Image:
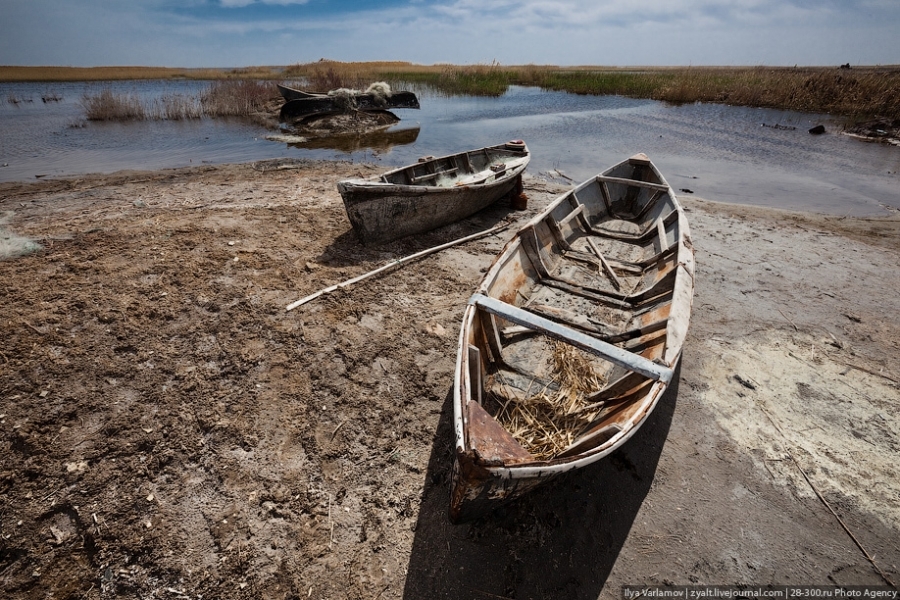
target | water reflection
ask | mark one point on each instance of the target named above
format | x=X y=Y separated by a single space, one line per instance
x=378 y=141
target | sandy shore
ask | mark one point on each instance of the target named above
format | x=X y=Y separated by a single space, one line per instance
x=169 y=431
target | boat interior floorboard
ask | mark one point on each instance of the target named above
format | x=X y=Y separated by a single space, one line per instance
x=600 y=315
x=626 y=252
x=632 y=231
x=512 y=383
x=527 y=369
x=597 y=319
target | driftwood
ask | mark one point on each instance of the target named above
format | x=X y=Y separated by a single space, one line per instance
x=394 y=264
x=818 y=493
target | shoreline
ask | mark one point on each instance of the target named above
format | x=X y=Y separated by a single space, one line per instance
x=167 y=425
x=878 y=230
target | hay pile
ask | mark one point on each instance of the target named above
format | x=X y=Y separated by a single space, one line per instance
x=548 y=422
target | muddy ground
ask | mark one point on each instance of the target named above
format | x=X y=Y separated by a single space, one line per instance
x=168 y=430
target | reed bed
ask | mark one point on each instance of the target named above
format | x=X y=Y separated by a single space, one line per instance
x=859 y=92
x=17 y=100
x=236 y=98
x=548 y=422
x=176 y=107
x=10 y=73
x=480 y=80
x=109 y=106
x=846 y=92
x=326 y=75
x=241 y=98
x=451 y=80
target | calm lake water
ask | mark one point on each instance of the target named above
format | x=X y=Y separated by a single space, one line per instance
x=718 y=152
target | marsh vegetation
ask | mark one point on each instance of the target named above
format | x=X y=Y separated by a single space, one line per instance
x=223 y=98
x=857 y=93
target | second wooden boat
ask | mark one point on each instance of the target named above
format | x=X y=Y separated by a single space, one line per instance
x=572 y=336
x=303 y=105
x=432 y=192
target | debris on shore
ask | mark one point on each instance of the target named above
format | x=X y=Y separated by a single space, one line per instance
x=879 y=129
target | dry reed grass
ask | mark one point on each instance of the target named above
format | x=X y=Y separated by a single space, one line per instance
x=326 y=75
x=12 y=73
x=548 y=422
x=176 y=107
x=225 y=98
x=236 y=98
x=859 y=93
x=847 y=92
x=108 y=106
x=17 y=100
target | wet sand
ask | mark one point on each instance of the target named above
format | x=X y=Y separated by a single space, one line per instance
x=168 y=430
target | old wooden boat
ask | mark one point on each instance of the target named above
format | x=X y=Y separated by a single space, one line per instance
x=572 y=336
x=313 y=104
x=432 y=192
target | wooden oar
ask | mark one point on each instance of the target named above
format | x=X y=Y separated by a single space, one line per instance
x=394 y=264
x=612 y=274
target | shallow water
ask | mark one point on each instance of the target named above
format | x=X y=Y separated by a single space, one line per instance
x=718 y=152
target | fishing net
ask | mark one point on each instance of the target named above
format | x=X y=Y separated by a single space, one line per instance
x=381 y=91
x=345 y=98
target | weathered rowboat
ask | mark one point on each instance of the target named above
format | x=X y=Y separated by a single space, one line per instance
x=572 y=336
x=432 y=192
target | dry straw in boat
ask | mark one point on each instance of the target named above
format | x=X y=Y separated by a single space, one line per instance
x=546 y=423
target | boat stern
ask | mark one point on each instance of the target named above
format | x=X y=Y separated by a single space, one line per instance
x=476 y=490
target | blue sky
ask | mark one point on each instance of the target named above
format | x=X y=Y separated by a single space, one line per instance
x=236 y=33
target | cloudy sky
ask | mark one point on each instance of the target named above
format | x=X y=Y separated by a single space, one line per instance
x=234 y=33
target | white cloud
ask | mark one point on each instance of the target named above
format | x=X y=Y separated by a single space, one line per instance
x=242 y=3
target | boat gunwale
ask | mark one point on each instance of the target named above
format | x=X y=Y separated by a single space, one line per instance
x=376 y=180
x=400 y=188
